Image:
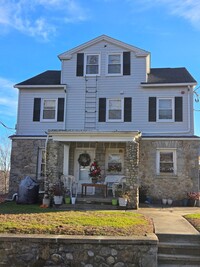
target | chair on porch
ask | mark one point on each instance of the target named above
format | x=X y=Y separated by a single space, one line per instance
x=113 y=181
x=70 y=183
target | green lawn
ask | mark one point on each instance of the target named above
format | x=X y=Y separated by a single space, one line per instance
x=32 y=219
x=194 y=219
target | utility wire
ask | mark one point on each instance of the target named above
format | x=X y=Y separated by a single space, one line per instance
x=6 y=126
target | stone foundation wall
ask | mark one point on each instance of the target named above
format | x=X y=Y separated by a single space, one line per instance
x=24 y=160
x=169 y=186
x=65 y=251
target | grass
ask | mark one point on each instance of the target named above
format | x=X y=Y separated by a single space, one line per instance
x=194 y=219
x=31 y=219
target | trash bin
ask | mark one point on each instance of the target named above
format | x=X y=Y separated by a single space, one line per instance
x=28 y=191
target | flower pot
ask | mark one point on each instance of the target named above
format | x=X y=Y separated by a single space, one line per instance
x=164 y=201
x=114 y=202
x=169 y=201
x=73 y=200
x=58 y=200
x=46 y=202
x=67 y=200
x=122 y=201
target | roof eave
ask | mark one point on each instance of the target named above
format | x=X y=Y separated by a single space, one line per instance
x=149 y=85
x=52 y=86
x=139 y=52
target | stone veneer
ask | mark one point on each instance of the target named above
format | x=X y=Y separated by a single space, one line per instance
x=169 y=186
x=76 y=251
x=24 y=160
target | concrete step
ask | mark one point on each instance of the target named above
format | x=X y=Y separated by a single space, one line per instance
x=176 y=250
x=191 y=249
x=178 y=260
x=179 y=238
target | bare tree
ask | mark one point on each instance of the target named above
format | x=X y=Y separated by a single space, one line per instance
x=5 y=151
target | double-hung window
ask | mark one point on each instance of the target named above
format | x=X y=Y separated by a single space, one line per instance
x=115 y=64
x=49 y=109
x=165 y=111
x=115 y=110
x=92 y=66
x=166 y=161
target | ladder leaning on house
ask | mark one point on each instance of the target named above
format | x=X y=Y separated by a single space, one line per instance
x=90 y=102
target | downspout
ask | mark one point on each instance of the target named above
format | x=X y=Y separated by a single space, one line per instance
x=45 y=165
x=65 y=109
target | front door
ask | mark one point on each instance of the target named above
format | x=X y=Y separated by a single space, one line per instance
x=82 y=172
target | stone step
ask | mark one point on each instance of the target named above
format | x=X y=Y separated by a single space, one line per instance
x=179 y=238
x=192 y=249
x=178 y=260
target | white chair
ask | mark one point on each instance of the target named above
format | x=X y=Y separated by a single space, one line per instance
x=70 y=183
x=113 y=181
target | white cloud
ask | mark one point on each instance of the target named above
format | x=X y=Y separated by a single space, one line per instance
x=8 y=98
x=39 y=18
x=187 y=9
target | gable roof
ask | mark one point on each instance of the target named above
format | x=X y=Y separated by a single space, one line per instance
x=138 y=51
x=169 y=75
x=49 y=77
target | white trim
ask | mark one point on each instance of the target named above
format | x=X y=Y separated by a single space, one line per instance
x=138 y=52
x=85 y=64
x=158 y=109
x=42 y=110
x=158 y=151
x=167 y=84
x=40 y=86
x=76 y=136
x=66 y=160
x=121 y=64
x=170 y=138
x=107 y=110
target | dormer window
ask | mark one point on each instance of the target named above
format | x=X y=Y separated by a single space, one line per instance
x=92 y=64
x=115 y=64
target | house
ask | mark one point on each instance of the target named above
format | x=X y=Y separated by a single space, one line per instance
x=108 y=104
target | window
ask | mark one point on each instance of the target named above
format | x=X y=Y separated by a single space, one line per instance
x=115 y=110
x=49 y=111
x=166 y=161
x=41 y=163
x=115 y=160
x=115 y=64
x=92 y=65
x=165 y=109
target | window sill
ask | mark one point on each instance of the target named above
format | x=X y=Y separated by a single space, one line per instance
x=166 y=176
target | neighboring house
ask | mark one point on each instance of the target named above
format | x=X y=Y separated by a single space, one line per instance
x=109 y=104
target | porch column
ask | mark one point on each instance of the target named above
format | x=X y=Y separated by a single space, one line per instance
x=66 y=160
x=132 y=156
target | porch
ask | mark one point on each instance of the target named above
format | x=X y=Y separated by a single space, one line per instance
x=76 y=153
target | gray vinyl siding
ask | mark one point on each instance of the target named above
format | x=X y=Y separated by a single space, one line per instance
x=120 y=87
x=25 y=123
x=107 y=87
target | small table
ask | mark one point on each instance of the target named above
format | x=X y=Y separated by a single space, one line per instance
x=102 y=186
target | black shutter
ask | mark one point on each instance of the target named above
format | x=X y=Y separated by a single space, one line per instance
x=80 y=64
x=102 y=109
x=126 y=63
x=36 y=109
x=60 y=115
x=178 y=109
x=152 y=108
x=127 y=109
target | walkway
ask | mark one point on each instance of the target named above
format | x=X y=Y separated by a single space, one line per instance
x=169 y=220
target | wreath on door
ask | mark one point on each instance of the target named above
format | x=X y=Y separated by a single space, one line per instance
x=84 y=159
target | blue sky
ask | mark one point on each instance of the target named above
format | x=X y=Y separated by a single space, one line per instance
x=34 y=32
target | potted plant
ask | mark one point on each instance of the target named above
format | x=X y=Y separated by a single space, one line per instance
x=95 y=171
x=46 y=200
x=58 y=193
x=123 y=195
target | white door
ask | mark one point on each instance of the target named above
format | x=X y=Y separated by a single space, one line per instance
x=82 y=173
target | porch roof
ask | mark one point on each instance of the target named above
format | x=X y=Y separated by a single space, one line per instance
x=86 y=136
